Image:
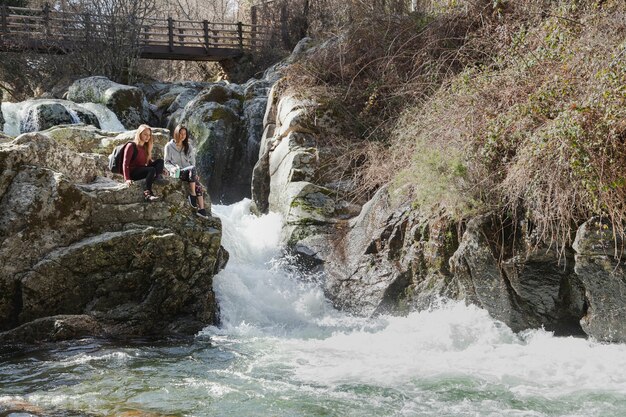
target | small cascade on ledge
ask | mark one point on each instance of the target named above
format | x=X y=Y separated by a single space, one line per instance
x=25 y=117
x=108 y=120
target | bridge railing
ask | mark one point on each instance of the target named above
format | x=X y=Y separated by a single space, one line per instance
x=52 y=26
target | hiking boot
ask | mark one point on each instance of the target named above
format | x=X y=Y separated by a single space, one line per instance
x=202 y=213
x=193 y=200
x=149 y=196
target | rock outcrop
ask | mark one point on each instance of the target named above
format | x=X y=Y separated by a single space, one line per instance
x=81 y=138
x=84 y=255
x=225 y=122
x=599 y=262
x=392 y=258
x=41 y=114
x=127 y=102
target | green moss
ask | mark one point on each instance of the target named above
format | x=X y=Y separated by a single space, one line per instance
x=223 y=113
x=301 y=232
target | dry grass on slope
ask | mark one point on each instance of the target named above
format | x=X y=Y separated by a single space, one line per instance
x=538 y=133
x=365 y=76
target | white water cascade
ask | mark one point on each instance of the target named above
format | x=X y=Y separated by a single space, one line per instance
x=282 y=350
x=423 y=358
x=108 y=120
x=14 y=113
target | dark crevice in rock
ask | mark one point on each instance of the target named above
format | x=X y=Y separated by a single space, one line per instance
x=393 y=294
x=18 y=304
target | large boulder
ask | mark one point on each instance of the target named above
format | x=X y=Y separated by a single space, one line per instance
x=127 y=102
x=166 y=99
x=288 y=177
x=41 y=114
x=94 y=258
x=217 y=131
x=392 y=259
x=600 y=267
x=225 y=122
x=226 y=130
x=389 y=258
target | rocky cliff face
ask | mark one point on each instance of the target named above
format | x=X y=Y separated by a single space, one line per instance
x=391 y=258
x=225 y=122
x=83 y=255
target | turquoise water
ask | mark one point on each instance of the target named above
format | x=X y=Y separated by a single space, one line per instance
x=282 y=350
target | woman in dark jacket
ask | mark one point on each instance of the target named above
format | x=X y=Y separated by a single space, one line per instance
x=142 y=166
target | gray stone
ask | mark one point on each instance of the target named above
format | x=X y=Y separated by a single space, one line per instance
x=217 y=133
x=128 y=103
x=261 y=173
x=42 y=114
x=94 y=250
x=603 y=276
x=89 y=139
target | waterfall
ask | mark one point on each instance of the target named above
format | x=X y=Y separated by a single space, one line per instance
x=256 y=293
x=12 y=113
x=108 y=120
x=15 y=115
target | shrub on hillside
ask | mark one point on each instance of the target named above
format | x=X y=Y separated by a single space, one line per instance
x=540 y=128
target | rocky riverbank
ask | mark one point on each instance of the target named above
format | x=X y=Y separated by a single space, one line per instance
x=84 y=255
x=394 y=258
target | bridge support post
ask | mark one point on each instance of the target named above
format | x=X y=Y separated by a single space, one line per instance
x=4 y=13
x=254 y=19
x=284 y=29
x=205 y=27
x=170 y=33
x=87 y=28
x=46 y=18
x=240 y=34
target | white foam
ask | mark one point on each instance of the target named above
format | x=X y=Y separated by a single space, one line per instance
x=108 y=120
x=115 y=357
x=285 y=322
x=255 y=295
x=12 y=113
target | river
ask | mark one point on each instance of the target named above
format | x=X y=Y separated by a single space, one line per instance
x=283 y=350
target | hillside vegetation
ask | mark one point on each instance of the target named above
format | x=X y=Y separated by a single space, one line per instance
x=513 y=107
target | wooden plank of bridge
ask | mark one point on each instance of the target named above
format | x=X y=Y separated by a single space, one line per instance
x=254 y=19
x=46 y=19
x=240 y=34
x=203 y=41
x=88 y=28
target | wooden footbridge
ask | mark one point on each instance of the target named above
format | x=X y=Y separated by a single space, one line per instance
x=47 y=30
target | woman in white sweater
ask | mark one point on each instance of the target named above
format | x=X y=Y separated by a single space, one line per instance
x=180 y=161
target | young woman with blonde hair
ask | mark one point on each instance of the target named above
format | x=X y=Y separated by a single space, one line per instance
x=141 y=165
x=179 y=155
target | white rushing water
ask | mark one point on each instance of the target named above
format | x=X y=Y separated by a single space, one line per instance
x=451 y=342
x=282 y=350
x=107 y=119
x=12 y=113
x=15 y=113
